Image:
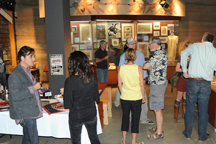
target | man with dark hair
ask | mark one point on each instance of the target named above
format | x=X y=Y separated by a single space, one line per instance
x=200 y=75
x=101 y=59
x=157 y=66
x=25 y=105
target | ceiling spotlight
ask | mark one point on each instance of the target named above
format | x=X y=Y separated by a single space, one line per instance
x=164 y=4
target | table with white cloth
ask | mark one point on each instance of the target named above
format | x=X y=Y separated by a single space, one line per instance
x=54 y=125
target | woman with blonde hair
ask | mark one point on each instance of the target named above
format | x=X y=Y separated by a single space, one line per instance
x=181 y=88
x=131 y=86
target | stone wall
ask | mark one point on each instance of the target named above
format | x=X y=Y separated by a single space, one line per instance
x=200 y=18
x=30 y=31
x=5 y=36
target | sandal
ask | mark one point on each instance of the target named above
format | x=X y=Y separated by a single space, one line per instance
x=141 y=142
x=152 y=129
x=155 y=136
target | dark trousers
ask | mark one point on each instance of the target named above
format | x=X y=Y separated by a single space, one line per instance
x=197 y=91
x=76 y=127
x=30 y=133
x=135 y=108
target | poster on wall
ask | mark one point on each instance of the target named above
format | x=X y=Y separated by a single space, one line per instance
x=56 y=64
x=113 y=29
x=101 y=31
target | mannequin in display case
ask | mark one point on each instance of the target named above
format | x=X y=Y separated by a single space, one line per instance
x=172 y=46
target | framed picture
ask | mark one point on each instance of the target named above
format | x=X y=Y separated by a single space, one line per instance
x=163 y=46
x=156 y=33
x=96 y=45
x=76 y=40
x=88 y=53
x=74 y=29
x=71 y=37
x=101 y=31
x=127 y=31
x=164 y=31
x=163 y=39
x=143 y=47
x=115 y=42
x=146 y=38
x=156 y=25
x=88 y=45
x=113 y=29
x=82 y=46
x=85 y=32
x=144 y=28
x=75 y=47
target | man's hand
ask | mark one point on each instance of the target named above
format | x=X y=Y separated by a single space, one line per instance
x=185 y=74
x=62 y=91
x=37 y=85
x=107 y=57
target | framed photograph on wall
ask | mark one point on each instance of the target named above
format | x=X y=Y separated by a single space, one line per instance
x=74 y=29
x=156 y=25
x=163 y=39
x=163 y=46
x=88 y=45
x=88 y=53
x=101 y=31
x=127 y=31
x=82 y=46
x=144 y=28
x=143 y=47
x=164 y=31
x=156 y=33
x=76 y=40
x=96 y=45
x=75 y=47
x=85 y=33
x=115 y=42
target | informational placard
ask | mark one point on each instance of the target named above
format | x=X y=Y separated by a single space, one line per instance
x=56 y=64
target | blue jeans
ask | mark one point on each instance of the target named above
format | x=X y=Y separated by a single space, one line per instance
x=76 y=127
x=30 y=133
x=197 y=91
x=102 y=75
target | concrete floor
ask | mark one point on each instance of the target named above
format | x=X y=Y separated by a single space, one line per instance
x=112 y=133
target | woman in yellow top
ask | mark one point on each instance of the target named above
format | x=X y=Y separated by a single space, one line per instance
x=131 y=86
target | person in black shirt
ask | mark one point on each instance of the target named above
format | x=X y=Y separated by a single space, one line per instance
x=80 y=94
x=101 y=59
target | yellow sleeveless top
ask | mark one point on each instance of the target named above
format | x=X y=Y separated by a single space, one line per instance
x=130 y=82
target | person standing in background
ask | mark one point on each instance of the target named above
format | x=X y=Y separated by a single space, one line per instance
x=25 y=104
x=117 y=97
x=101 y=59
x=199 y=74
x=131 y=86
x=140 y=60
x=181 y=88
x=157 y=66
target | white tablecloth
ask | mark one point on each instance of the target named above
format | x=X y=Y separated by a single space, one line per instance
x=54 y=125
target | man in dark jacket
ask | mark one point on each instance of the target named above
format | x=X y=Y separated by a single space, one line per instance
x=25 y=105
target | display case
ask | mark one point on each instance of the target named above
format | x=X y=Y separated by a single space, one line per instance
x=86 y=36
